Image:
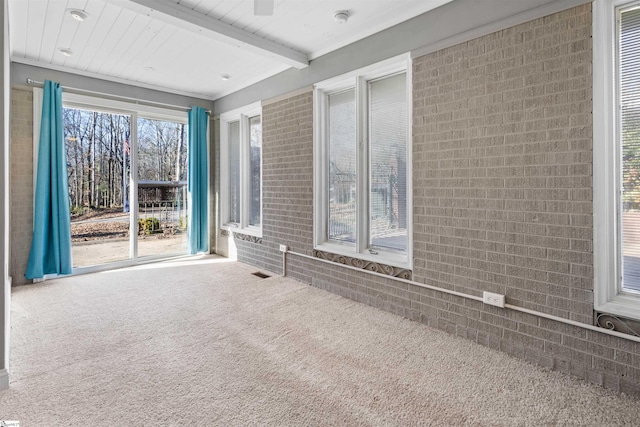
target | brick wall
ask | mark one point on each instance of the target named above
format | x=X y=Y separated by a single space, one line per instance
x=502 y=150
x=502 y=167
x=21 y=182
x=288 y=177
x=287 y=183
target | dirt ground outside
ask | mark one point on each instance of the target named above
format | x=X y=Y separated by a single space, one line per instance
x=99 y=237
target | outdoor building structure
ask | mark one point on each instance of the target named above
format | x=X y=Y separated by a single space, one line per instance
x=507 y=180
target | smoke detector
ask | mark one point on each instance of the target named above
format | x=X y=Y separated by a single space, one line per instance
x=78 y=15
x=341 y=16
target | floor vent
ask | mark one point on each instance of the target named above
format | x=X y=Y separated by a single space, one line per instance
x=260 y=275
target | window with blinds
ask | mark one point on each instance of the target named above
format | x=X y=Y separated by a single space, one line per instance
x=234 y=172
x=362 y=172
x=629 y=122
x=241 y=170
x=255 y=171
x=616 y=157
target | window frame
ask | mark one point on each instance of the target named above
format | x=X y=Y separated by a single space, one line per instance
x=359 y=80
x=607 y=239
x=242 y=115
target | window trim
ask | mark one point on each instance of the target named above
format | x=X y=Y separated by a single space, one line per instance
x=242 y=114
x=358 y=79
x=608 y=295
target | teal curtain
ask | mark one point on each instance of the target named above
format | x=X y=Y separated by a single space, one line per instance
x=51 y=244
x=197 y=183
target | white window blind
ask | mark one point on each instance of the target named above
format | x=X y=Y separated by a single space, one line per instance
x=342 y=166
x=388 y=163
x=255 y=172
x=629 y=122
x=234 y=172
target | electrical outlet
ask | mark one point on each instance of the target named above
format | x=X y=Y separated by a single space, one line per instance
x=283 y=248
x=493 y=299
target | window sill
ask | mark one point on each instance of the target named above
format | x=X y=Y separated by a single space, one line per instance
x=249 y=231
x=382 y=257
x=625 y=305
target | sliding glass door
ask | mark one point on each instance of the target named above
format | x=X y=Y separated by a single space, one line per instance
x=118 y=217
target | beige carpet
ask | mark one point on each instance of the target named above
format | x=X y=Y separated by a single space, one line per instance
x=204 y=342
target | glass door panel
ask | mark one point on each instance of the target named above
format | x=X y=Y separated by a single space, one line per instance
x=162 y=187
x=98 y=165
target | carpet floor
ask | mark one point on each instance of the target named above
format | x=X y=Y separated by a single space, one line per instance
x=205 y=342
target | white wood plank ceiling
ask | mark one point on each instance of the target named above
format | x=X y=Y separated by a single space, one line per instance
x=186 y=46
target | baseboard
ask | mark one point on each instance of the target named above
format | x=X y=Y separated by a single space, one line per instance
x=4 y=379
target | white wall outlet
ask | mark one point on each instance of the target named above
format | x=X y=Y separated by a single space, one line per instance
x=493 y=299
x=283 y=248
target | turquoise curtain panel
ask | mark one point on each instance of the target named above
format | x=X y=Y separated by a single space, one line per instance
x=198 y=185
x=51 y=244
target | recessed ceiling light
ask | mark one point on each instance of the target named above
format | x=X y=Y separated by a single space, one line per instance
x=341 y=16
x=78 y=15
x=225 y=77
x=66 y=51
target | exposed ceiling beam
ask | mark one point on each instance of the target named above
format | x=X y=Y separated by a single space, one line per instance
x=188 y=19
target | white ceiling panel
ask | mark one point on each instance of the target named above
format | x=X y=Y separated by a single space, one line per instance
x=125 y=50
x=107 y=51
x=18 y=14
x=53 y=25
x=83 y=34
x=185 y=46
x=34 y=23
x=150 y=46
x=90 y=48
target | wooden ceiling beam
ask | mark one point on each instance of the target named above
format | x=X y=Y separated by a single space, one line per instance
x=190 y=20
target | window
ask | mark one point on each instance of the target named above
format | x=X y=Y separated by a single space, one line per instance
x=362 y=164
x=241 y=169
x=616 y=153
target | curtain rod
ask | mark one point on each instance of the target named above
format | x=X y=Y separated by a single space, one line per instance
x=116 y=97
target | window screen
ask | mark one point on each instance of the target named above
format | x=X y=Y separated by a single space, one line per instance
x=342 y=166
x=388 y=163
x=234 y=172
